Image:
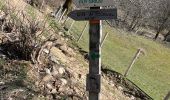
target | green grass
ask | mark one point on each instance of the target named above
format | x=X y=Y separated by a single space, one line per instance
x=151 y=72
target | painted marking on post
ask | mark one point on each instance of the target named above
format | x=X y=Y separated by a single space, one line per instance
x=94 y=55
x=92 y=3
x=94 y=21
x=93 y=14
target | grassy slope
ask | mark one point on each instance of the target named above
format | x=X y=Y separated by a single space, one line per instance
x=151 y=72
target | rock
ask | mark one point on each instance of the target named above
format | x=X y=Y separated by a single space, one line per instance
x=132 y=97
x=66 y=39
x=54 y=91
x=48 y=78
x=49 y=86
x=54 y=59
x=161 y=37
x=54 y=71
x=71 y=52
x=36 y=83
x=72 y=59
x=2 y=16
x=43 y=38
x=63 y=48
x=63 y=81
x=59 y=55
x=47 y=71
x=49 y=44
x=67 y=50
x=62 y=89
x=62 y=39
x=60 y=33
x=2 y=83
x=70 y=92
x=46 y=51
x=120 y=88
x=59 y=42
x=112 y=84
x=61 y=70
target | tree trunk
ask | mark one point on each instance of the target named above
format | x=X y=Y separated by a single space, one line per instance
x=132 y=23
x=67 y=5
x=135 y=24
x=156 y=36
x=165 y=37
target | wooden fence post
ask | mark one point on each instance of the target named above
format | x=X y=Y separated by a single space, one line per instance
x=139 y=51
x=42 y=4
x=62 y=16
x=108 y=23
x=167 y=96
x=59 y=11
x=65 y=20
x=105 y=36
x=71 y=26
x=82 y=32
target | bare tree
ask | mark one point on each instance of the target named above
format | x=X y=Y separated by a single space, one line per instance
x=160 y=16
x=24 y=40
x=132 y=13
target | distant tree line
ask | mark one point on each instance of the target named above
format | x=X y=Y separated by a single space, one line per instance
x=133 y=14
x=154 y=14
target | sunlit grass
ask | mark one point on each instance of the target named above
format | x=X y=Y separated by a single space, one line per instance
x=151 y=72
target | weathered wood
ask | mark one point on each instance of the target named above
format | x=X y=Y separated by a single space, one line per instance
x=105 y=36
x=57 y=13
x=139 y=51
x=71 y=26
x=109 y=23
x=65 y=20
x=167 y=96
x=97 y=14
x=62 y=16
x=82 y=32
x=92 y=3
x=42 y=4
x=94 y=76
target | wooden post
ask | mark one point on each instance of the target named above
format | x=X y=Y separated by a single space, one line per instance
x=82 y=32
x=42 y=4
x=167 y=96
x=57 y=13
x=105 y=36
x=93 y=83
x=62 y=15
x=108 y=23
x=65 y=20
x=133 y=61
x=71 y=26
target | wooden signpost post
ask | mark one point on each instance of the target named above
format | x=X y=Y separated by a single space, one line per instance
x=95 y=14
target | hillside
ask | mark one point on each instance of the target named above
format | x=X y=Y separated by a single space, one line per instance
x=40 y=59
x=150 y=72
x=57 y=71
